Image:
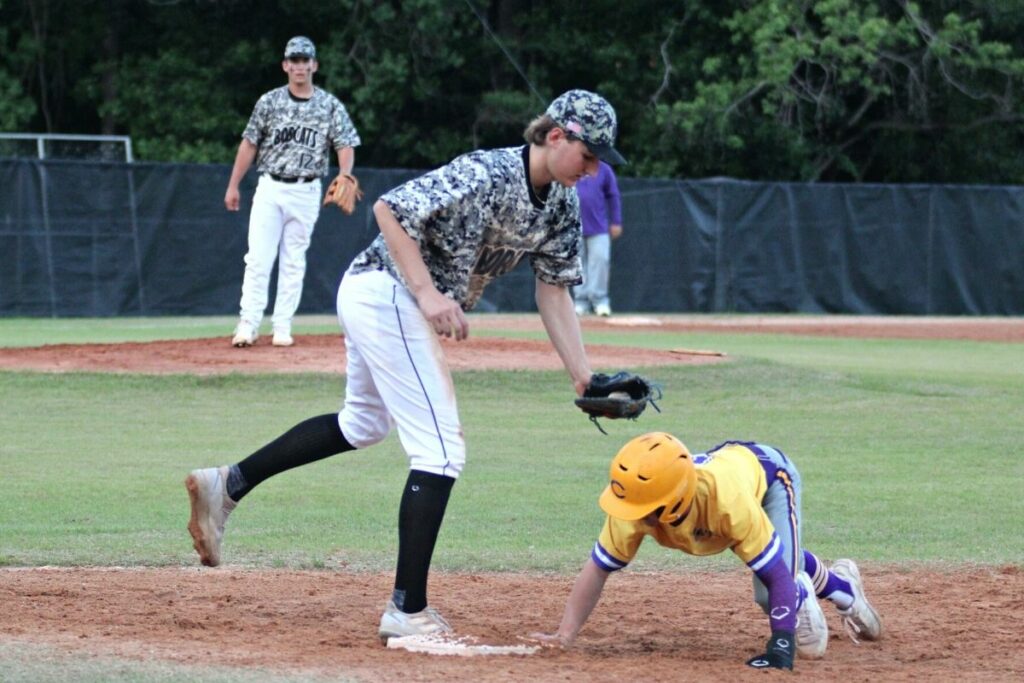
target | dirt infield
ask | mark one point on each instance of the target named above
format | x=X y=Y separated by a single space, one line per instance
x=326 y=352
x=957 y=624
x=648 y=627
x=311 y=353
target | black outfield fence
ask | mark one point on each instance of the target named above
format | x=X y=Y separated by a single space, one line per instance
x=107 y=239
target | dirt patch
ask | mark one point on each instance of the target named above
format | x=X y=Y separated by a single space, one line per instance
x=326 y=352
x=311 y=353
x=649 y=627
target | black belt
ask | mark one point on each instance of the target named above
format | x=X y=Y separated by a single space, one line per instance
x=283 y=179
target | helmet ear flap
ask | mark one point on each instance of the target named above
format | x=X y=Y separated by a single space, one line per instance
x=671 y=514
x=674 y=512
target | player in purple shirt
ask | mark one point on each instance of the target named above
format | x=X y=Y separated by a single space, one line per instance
x=601 y=212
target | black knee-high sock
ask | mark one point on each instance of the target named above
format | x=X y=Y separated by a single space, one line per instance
x=306 y=442
x=419 y=520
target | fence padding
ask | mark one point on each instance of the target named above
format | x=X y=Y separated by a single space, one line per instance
x=106 y=239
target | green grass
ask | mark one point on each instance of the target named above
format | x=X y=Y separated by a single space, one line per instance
x=39 y=331
x=909 y=452
x=29 y=662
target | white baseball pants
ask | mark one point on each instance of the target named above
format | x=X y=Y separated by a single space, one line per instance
x=280 y=227
x=397 y=375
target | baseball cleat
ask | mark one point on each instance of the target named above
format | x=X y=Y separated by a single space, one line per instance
x=395 y=623
x=811 y=627
x=602 y=310
x=245 y=335
x=283 y=339
x=860 y=620
x=208 y=496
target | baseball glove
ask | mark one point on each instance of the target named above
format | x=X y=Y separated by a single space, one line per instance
x=622 y=395
x=344 y=191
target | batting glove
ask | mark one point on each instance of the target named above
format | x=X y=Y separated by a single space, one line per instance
x=781 y=648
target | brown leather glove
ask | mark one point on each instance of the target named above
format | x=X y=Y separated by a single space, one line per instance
x=344 y=191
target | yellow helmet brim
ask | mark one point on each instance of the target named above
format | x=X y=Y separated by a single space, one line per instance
x=616 y=507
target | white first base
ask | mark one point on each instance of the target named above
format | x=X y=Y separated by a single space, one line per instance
x=461 y=646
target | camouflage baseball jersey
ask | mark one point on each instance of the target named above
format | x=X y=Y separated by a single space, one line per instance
x=476 y=218
x=726 y=514
x=294 y=136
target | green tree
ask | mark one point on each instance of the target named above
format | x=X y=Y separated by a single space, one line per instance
x=407 y=72
x=862 y=90
x=16 y=107
x=820 y=90
x=641 y=55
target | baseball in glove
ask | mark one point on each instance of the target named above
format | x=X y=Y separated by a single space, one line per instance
x=622 y=395
x=344 y=191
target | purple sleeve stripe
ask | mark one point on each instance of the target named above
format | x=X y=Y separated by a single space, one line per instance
x=768 y=555
x=603 y=559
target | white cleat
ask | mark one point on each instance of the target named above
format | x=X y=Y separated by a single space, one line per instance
x=245 y=335
x=603 y=310
x=860 y=620
x=395 y=623
x=208 y=496
x=811 y=627
x=282 y=338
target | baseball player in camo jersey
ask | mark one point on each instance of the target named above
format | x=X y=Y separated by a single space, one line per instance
x=289 y=135
x=444 y=237
x=742 y=496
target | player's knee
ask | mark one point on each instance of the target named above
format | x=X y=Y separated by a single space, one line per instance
x=445 y=455
x=456 y=461
x=363 y=439
x=364 y=430
x=446 y=464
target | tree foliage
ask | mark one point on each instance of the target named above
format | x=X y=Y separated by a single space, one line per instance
x=828 y=87
x=850 y=90
x=16 y=108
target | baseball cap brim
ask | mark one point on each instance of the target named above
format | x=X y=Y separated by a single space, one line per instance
x=606 y=153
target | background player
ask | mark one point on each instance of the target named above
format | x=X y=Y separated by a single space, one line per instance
x=739 y=495
x=601 y=214
x=444 y=236
x=289 y=134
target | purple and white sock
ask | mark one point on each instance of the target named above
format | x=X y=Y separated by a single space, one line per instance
x=826 y=584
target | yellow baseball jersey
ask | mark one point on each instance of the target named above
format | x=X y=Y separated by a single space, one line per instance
x=726 y=514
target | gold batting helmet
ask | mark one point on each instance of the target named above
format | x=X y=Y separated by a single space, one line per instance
x=652 y=472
